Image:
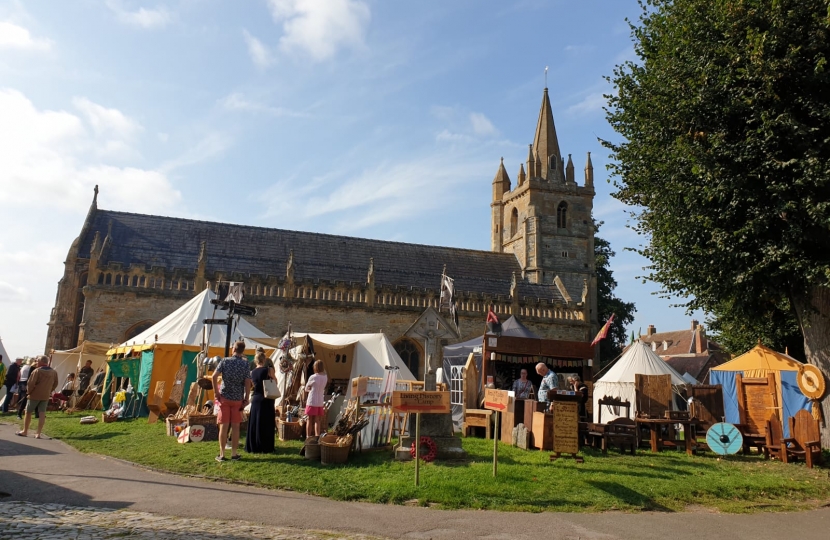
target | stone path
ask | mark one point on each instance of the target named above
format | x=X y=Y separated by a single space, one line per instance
x=31 y=521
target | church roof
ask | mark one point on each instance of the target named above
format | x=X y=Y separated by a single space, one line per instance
x=173 y=243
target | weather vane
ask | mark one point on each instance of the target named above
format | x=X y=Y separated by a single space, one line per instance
x=546 y=76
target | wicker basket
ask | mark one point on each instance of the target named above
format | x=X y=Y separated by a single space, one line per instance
x=312 y=449
x=108 y=418
x=201 y=420
x=289 y=431
x=330 y=453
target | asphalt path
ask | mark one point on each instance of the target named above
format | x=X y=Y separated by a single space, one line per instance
x=48 y=471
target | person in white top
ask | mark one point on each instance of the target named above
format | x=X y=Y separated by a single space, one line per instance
x=314 y=405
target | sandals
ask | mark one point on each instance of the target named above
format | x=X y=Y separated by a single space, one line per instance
x=220 y=459
x=20 y=434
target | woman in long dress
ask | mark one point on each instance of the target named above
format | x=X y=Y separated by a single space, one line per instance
x=262 y=423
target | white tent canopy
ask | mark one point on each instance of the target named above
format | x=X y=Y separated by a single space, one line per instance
x=185 y=325
x=72 y=360
x=6 y=360
x=372 y=353
x=618 y=382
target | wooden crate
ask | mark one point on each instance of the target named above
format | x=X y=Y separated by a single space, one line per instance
x=543 y=431
x=289 y=431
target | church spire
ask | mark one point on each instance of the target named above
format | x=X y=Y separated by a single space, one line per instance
x=589 y=172
x=501 y=182
x=545 y=143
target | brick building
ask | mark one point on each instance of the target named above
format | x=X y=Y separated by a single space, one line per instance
x=126 y=271
x=687 y=351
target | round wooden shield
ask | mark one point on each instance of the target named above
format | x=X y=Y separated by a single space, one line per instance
x=811 y=381
x=197 y=433
x=184 y=436
x=724 y=439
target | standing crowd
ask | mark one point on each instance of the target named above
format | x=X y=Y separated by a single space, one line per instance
x=33 y=383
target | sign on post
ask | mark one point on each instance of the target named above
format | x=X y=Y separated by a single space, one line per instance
x=359 y=386
x=420 y=402
x=565 y=427
x=496 y=400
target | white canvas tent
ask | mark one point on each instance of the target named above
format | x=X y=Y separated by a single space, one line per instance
x=618 y=381
x=371 y=354
x=72 y=360
x=6 y=360
x=185 y=326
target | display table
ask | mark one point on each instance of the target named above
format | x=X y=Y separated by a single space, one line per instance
x=477 y=418
x=658 y=441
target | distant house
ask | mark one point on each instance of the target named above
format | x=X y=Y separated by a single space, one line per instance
x=687 y=351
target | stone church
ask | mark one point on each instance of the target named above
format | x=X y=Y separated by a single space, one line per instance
x=126 y=271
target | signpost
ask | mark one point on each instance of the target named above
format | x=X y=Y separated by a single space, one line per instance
x=420 y=402
x=565 y=427
x=228 y=302
x=496 y=401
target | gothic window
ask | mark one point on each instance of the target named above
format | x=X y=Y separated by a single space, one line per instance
x=514 y=222
x=552 y=160
x=562 y=216
x=137 y=328
x=410 y=355
x=80 y=300
x=456 y=385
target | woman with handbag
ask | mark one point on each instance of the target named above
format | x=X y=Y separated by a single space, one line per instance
x=262 y=425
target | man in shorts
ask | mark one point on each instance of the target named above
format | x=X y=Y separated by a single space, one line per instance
x=231 y=397
x=42 y=382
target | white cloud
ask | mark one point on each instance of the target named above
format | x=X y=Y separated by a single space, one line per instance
x=13 y=36
x=10 y=293
x=482 y=125
x=50 y=159
x=208 y=147
x=149 y=19
x=319 y=28
x=592 y=103
x=259 y=53
x=238 y=102
x=105 y=121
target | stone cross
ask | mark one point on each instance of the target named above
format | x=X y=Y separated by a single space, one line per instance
x=431 y=331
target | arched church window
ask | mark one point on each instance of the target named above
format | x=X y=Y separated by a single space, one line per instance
x=562 y=216
x=80 y=301
x=514 y=222
x=137 y=328
x=410 y=355
x=552 y=162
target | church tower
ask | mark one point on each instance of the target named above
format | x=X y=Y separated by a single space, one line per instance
x=545 y=221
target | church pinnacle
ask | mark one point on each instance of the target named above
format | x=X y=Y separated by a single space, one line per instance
x=546 y=144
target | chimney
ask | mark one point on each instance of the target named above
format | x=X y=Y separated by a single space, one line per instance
x=651 y=330
x=694 y=324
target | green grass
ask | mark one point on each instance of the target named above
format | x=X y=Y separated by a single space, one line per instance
x=527 y=481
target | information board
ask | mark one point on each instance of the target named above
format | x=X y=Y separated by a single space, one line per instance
x=421 y=402
x=496 y=400
x=565 y=427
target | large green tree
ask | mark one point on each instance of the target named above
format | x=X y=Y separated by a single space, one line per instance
x=608 y=303
x=725 y=156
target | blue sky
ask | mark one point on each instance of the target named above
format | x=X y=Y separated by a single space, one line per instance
x=358 y=117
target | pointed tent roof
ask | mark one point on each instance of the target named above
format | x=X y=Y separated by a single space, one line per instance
x=640 y=359
x=511 y=327
x=184 y=326
x=545 y=143
x=6 y=359
x=760 y=357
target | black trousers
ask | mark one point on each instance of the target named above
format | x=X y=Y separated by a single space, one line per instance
x=8 y=399
x=22 y=398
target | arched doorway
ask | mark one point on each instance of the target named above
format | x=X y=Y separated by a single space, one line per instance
x=411 y=356
x=137 y=328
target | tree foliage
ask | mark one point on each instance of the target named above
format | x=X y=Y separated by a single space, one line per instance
x=725 y=156
x=607 y=303
x=737 y=333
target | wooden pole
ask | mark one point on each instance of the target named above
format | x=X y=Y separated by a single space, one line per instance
x=496 y=436
x=417 y=449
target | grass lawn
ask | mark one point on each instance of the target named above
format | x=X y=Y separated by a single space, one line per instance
x=527 y=481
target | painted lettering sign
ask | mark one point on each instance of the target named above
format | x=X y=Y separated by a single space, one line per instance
x=496 y=400
x=421 y=402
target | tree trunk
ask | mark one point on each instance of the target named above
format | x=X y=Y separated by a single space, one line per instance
x=813 y=310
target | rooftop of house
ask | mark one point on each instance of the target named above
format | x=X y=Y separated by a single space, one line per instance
x=175 y=243
x=677 y=342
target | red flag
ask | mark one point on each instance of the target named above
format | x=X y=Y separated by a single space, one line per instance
x=603 y=333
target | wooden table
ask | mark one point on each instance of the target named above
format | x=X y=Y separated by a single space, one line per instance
x=477 y=418
x=655 y=426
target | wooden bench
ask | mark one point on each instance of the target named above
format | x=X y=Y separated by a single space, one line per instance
x=477 y=418
x=621 y=432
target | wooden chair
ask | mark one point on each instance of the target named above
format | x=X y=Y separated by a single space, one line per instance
x=774 y=436
x=622 y=433
x=805 y=439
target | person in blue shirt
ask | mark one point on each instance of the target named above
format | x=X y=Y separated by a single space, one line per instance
x=549 y=382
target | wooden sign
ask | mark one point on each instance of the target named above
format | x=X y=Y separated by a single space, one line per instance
x=565 y=427
x=359 y=386
x=496 y=400
x=421 y=402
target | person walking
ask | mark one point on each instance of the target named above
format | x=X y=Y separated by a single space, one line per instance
x=232 y=397
x=12 y=376
x=262 y=424
x=22 y=393
x=315 y=404
x=42 y=382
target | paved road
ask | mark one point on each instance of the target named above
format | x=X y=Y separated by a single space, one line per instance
x=44 y=471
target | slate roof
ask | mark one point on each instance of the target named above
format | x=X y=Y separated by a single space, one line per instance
x=175 y=243
x=693 y=364
x=678 y=341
